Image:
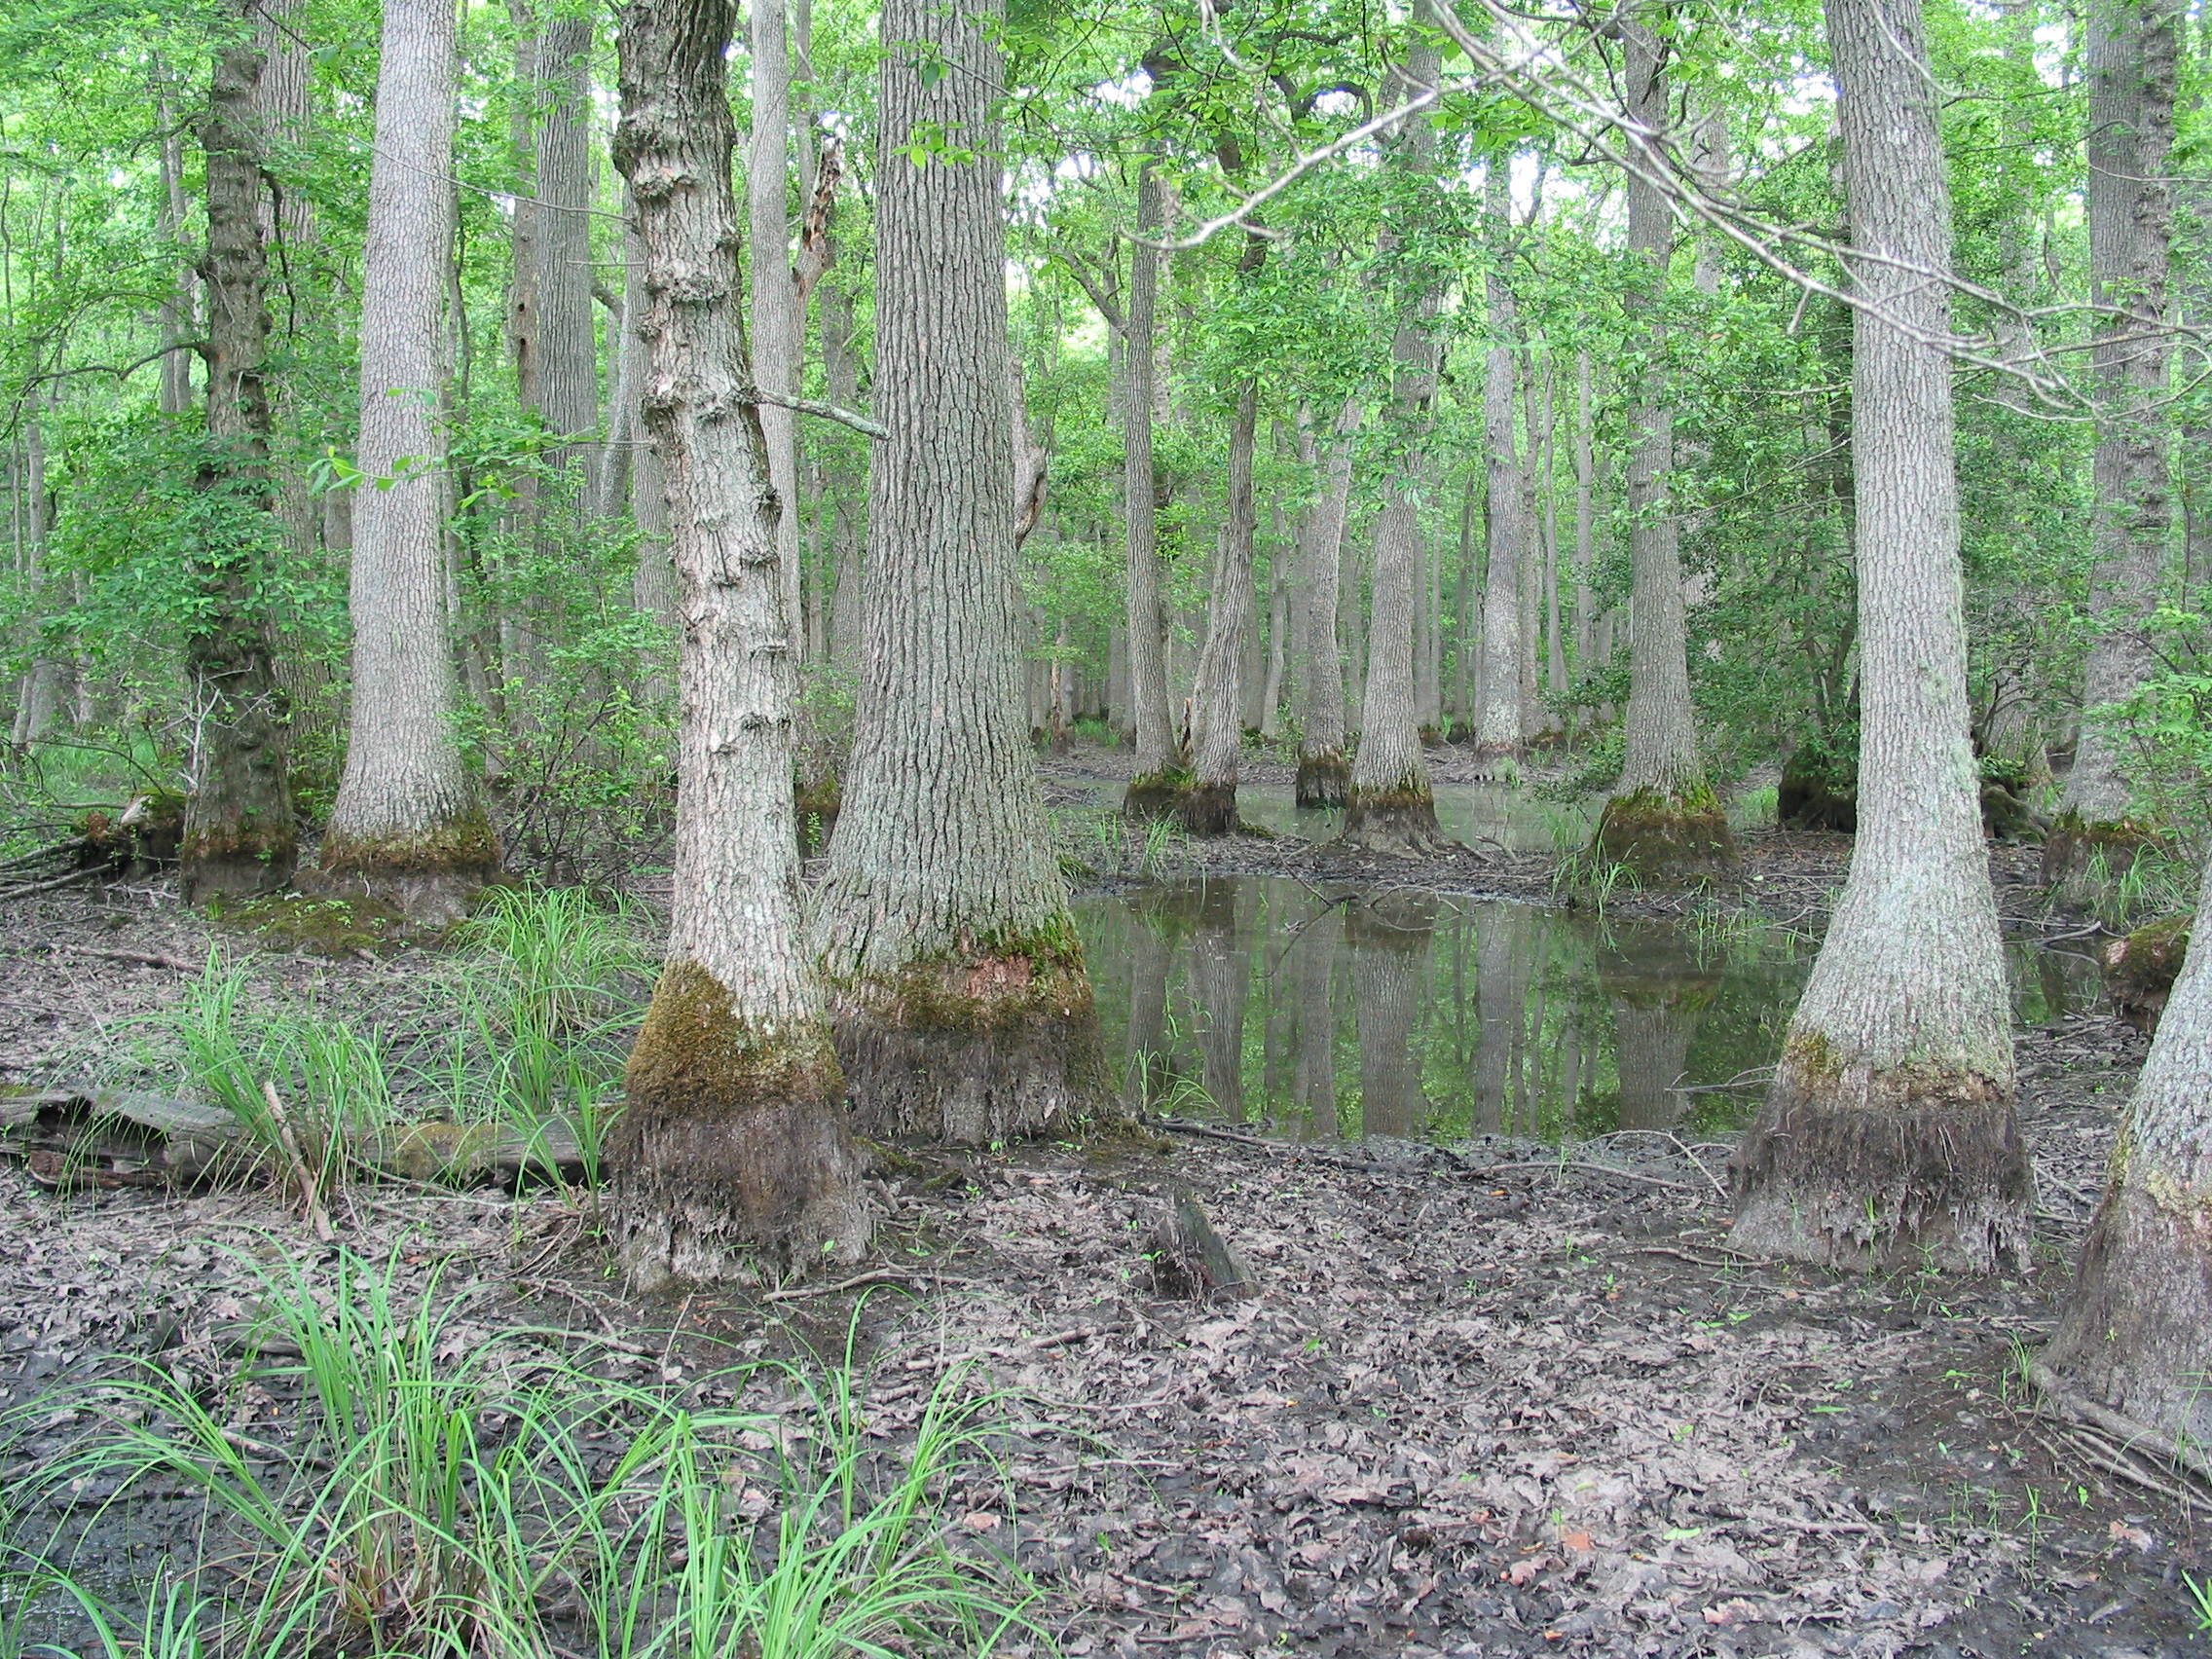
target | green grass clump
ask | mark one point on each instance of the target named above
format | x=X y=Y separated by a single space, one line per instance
x=408 y=1488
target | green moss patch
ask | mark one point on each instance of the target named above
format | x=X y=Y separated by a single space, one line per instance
x=336 y=928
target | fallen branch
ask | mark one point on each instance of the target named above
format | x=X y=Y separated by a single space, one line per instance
x=143 y=958
x=881 y=1275
x=21 y=858
x=69 y=880
x=1557 y=1163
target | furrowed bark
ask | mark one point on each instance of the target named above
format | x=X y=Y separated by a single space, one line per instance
x=407 y=826
x=732 y=1158
x=1323 y=772
x=962 y=1006
x=1888 y=1138
x=2133 y=49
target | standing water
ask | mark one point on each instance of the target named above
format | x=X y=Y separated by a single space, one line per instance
x=1330 y=1014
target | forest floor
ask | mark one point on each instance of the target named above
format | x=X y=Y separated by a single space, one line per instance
x=1489 y=1400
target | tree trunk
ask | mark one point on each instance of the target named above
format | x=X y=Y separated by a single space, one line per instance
x=964 y=1007
x=1499 y=715
x=843 y=481
x=1888 y=1138
x=778 y=321
x=1390 y=806
x=407 y=826
x=1208 y=805
x=2136 y=1335
x=1323 y=774
x=240 y=837
x=1156 y=773
x=1585 y=517
x=1279 y=637
x=732 y=1158
x=1663 y=820
x=2132 y=49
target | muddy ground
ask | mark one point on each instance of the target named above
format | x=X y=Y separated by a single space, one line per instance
x=1483 y=1404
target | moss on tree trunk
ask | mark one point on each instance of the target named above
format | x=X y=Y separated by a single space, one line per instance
x=2083 y=861
x=731 y=1160
x=973 y=1047
x=1902 y=1167
x=1324 y=777
x=1668 y=837
x=432 y=876
x=1156 y=794
x=1401 y=820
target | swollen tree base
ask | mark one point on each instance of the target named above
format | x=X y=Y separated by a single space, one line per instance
x=2137 y=1335
x=1668 y=837
x=1156 y=794
x=431 y=878
x=1497 y=762
x=1208 y=810
x=2083 y=861
x=1324 y=777
x=1854 y=1171
x=1400 y=821
x=250 y=863
x=731 y=1160
x=973 y=1050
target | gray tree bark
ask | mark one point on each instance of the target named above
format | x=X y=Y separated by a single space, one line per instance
x=1323 y=773
x=1888 y=1137
x=964 y=1007
x=1500 y=720
x=1663 y=819
x=1207 y=804
x=778 y=321
x=2136 y=1335
x=240 y=836
x=732 y=1159
x=2133 y=49
x=1390 y=806
x=407 y=826
x=1156 y=773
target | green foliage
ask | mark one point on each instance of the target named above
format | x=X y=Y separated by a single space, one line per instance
x=439 y=1493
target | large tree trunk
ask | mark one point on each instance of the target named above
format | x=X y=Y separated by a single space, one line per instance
x=1663 y=819
x=964 y=1007
x=550 y=320
x=240 y=837
x=1498 y=715
x=778 y=321
x=1208 y=804
x=1323 y=773
x=842 y=480
x=2136 y=1335
x=1888 y=1137
x=2133 y=46
x=1156 y=772
x=732 y=1158
x=407 y=826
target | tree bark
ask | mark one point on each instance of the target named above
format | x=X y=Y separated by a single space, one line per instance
x=732 y=1159
x=1323 y=773
x=1390 y=806
x=1156 y=773
x=1207 y=804
x=407 y=826
x=1888 y=1137
x=963 y=1006
x=1663 y=820
x=2133 y=49
x=1498 y=718
x=778 y=321
x=2136 y=1335
x=240 y=836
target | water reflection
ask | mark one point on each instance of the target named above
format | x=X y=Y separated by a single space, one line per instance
x=1329 y=1014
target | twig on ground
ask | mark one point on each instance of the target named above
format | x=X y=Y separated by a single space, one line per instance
x=141 y=958
x=1557 y=1164
x=881 y=1275
x=69 y=880
x=309 y=1193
